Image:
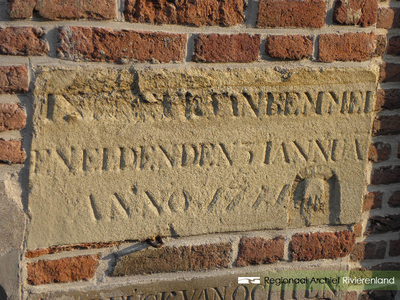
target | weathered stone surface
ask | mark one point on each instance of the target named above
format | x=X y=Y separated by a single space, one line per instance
x=64 y=9
x=101 y=44
x=291 y=13
x=144 y=152
x=173 y=259
x=356 y=12
x=187 y=12
x=12 y=117
x=289 y=46
x=255 y=251
x=11 y=152
x=22 y=41
x=312 y=246
x=62 y=270
x=13 y=79
x=226 y=48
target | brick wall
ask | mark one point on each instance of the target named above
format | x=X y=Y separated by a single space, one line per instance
x=314 y=33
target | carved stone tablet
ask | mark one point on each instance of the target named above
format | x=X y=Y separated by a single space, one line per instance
x=129 y=154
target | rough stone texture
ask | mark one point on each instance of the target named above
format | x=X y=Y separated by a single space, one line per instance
x=312 y=246
x=186 y=12
x=388 y=99
x=386 y=125
x=372 y=200
x=369 y=250
x=394 y=200
x=358 y=230
x=346 y=47
x=100 y=44
x=226 y=48
x=12 y=117
x=62 y=270
x=64 y=9
x=173 y=259
x=13 y=79
x=394 y=248
x=388 y=18
x=379 y=151
x=256 y=251
x=22 y=41
x=386 y=175
x=291 y=13
x=11 y=152
x=378 y=224
x=389 y=72
x=289 y=46
x=356 y=12
x=255 y=130
x=394 y=46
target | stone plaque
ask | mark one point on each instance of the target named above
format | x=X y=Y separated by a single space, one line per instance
x=129 y=154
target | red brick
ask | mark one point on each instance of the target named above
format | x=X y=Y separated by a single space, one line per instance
x=394 y=200
x=385 y=175
x=358 y=230
x=226 y=48
x=389 y=72
x=380 y=45
x=378 y=295
x=394 y=46
x=22 y=41
x=387 y=99
x=63 y=270
x=13 y=79
x=289 y=46
x=99 y=44
x=351 y=296
x=378 y=224
x=64 y=9
x=312 y=246
x=12 y=117
x=388 y=18
x=379 y=152
x=356 y=12
x=186 y=12
x=372 y=200
x=291 y=13
x=394 y=248
x=256 y=251
x=173 y=259
x=386 y=125
x=11 y=152
x=369 y=250
x=346 y=47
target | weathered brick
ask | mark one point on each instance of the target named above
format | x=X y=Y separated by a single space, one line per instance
x=22 y=41
x=368 y=250
x=378 y=295
x=378 y=224
x=389 y=72
x=385 y=175
x=12 y=117
x=13 y=79
x=394 y=200
x=291 y=13
x=63 y=270
x=312 y=246
x=381 y=42
x=173 y=259
x=394 y=46
x=394 y=248
x=351 y=296
x=358 y=230
x=226 y=48
x=346 y=47
x=11 y=152
x=289 y=46
x=257 y=250
x=372 y=200
x=379 y=152
x=186 y=12
x=388 y=18
x=386 y=125
x=99 y=44
x=388 y=266
x=387 y=99
x=355 y=12
x=64 y=9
